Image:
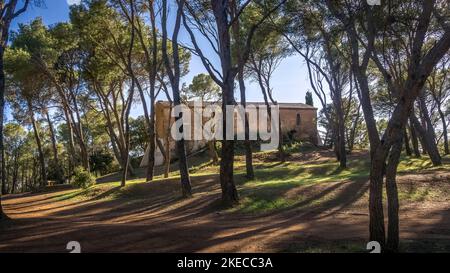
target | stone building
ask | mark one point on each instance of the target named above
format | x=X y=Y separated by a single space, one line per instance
x=298 y=120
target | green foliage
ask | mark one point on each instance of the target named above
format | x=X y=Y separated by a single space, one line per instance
x=202 y=88
x=82 y=178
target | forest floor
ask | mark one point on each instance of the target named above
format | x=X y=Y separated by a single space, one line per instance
x=303 y=205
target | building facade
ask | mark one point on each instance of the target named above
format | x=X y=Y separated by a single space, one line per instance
x=297 y=120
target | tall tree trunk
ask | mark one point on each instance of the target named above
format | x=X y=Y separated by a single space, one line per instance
x=72 y=154
x=431 y=134
x=428 y=142
x=167 y=157
x=174 y=76
x=8 y=171
x=376 y=217
x=44 y=181
x=2 y=109
x=152 y=75
x=444 y=130
x=129 y=101
x=162 y=149
x=351 y=139
x=33 y=174
x=167 y=143
x=23 y=177
x=229 y=192
x=4 y=190
x=2 y=214
x=80 y=136
x=414 y=140
x=165 y=149
x=15 y=173
x=335 y=140
x=341 y=133
x=250 y=174
x=56 y=163
x=406 y=141
x=152 y=139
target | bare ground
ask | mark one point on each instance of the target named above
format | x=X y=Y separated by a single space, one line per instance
x=158 y=221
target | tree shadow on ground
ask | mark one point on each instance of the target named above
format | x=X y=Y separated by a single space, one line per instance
x=152 y=217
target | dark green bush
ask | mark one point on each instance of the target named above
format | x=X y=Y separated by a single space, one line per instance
x=82 y=178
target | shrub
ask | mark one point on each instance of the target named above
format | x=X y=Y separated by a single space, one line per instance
x=82 y=178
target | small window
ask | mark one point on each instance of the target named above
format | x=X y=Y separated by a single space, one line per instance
x=298 y=120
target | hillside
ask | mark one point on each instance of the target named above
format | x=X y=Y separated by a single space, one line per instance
x=302 y=205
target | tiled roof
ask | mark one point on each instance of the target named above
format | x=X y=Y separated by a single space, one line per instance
x=281 y=105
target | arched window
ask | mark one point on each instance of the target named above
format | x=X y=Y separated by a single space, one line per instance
x=298 y=120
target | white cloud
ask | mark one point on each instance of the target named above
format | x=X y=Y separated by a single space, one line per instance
x=73 y=2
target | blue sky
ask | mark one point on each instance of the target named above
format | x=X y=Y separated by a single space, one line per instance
x=289 y=81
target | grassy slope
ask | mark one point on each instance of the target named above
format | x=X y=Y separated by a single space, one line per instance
x=275 y=183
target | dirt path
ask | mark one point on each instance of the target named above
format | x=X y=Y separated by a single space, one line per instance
x=161 y=223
